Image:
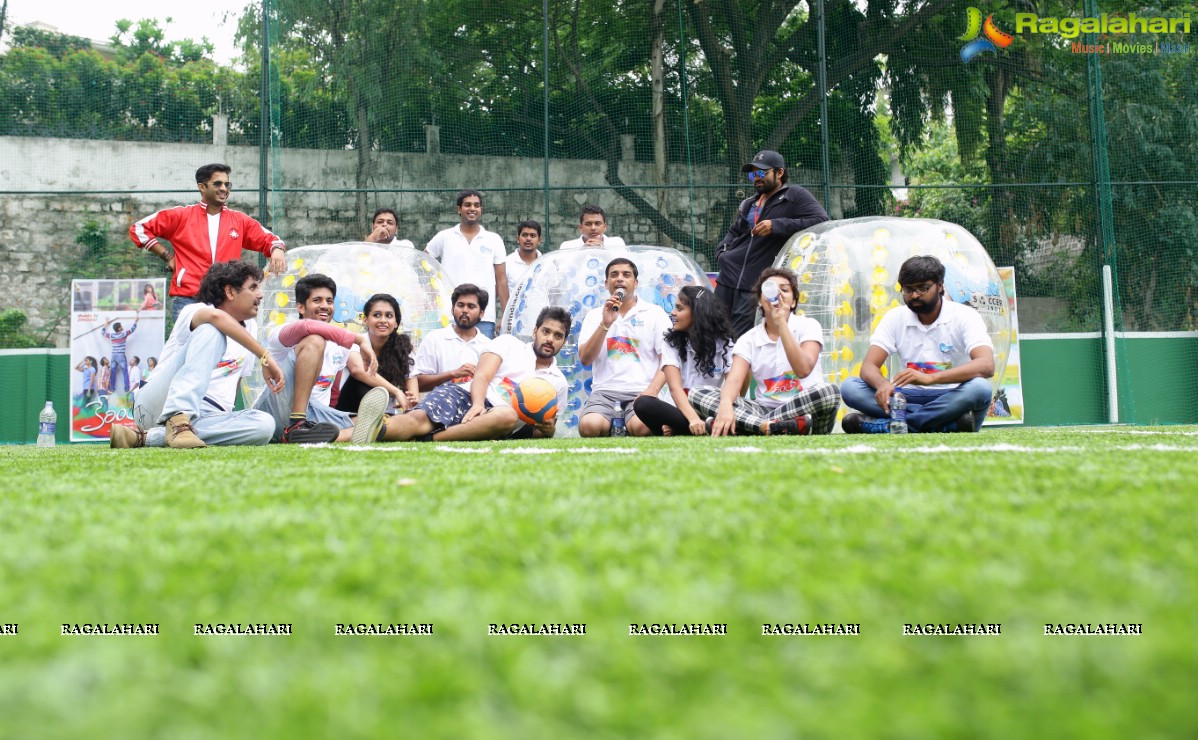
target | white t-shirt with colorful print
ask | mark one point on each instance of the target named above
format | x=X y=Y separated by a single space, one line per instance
x=777 y=381
x=631 y=351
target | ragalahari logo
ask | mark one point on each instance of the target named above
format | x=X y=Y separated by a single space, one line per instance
x=992 y=38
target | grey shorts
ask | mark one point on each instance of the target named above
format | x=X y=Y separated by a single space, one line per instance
x=606 y=404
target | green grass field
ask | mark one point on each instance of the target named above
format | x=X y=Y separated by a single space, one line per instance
x=1021 y=527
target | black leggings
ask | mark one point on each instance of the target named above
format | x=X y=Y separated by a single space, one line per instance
x=656 y=413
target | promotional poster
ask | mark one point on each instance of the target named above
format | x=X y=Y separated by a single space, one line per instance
x=117 y=331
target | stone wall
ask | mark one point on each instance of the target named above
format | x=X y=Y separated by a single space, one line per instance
x=63 y=183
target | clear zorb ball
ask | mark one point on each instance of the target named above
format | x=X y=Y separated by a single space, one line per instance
x=574 y=280
x=360 y=270
x=848 y=279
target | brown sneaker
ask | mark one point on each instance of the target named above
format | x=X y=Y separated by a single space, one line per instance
x=122 y=437
x=180 y=435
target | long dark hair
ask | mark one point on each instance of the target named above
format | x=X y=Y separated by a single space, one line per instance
x=394 y=356
x=710 y=327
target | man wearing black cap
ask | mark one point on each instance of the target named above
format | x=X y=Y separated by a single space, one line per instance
x=763 y=224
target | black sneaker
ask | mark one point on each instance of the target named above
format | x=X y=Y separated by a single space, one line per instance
x=862 y=424
x=306 y=432
x=800 y=425
x=966 y=423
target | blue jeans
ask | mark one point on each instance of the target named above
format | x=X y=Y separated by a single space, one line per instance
x=928 y=409
x=487 y=329
x=178 y=302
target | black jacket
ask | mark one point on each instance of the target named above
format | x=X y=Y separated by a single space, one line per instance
x=742 y=256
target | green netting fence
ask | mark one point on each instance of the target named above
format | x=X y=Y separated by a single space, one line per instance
x=1068 y=151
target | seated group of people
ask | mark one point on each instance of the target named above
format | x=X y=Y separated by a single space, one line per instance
x=679 y=374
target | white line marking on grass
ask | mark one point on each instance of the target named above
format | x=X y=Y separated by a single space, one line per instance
x=743 y=450
x=529 y=451
x=466 y=450
x=1139 y=431
x=378 y=448
x=945 y=449
x=606 y=450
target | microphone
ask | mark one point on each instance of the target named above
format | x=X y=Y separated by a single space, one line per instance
x=620 y=295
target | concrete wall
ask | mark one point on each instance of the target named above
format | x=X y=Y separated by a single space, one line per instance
x=55 y=185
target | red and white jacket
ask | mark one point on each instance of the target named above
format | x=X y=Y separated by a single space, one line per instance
x=186 y=228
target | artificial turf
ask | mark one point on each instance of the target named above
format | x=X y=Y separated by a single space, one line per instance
x=1019 y=527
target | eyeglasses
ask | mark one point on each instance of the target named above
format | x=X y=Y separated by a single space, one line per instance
x=922 y=290
x=755 y=175
x=218 y=184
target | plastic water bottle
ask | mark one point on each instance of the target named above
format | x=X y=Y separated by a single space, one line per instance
x=769 y=289
x=898 y=413
x=47 y=425
x=617 y=423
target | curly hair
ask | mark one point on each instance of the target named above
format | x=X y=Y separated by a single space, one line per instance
x=394 y=357
x=710 y=327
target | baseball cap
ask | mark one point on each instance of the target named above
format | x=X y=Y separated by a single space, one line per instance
x=765 y=160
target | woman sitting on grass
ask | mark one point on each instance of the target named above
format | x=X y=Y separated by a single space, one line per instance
x=782 y=355
x=697 y=354
x=394 y=350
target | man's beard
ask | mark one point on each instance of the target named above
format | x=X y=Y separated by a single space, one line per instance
x=465 y=322
x=924 y=307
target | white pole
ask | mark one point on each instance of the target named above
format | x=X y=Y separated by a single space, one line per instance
x=1108 y=320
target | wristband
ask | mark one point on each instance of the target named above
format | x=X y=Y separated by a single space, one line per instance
x=604 y=327
x=265 y=358
x=277 y=246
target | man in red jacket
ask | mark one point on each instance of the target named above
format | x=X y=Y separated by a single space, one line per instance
x=203 y=234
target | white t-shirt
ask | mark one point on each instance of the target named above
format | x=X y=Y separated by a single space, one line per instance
x=470 y=261
x=443 y=350
x=397 y=242
x=518 y=362
x=692 y=377
x=945 y=343
x=776 y=379
x=632 y=349
x=335 y=357
x=516 y=268
x=236 y=362
x=134 y=376
x=609 y=242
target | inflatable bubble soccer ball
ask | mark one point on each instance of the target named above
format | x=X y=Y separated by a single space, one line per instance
x=574 y=280
x=848 y=279
x=360 y=270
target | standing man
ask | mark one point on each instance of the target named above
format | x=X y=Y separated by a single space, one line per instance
x=471 y=254
x=450 y=355
x=622 y=341
x=189 y=400
x=947 y=355
x=455 y=412
x=384 y=229
x=119 y=338
x=762 y=225
x=592 y=226
x=204 y=234
x=528 y=238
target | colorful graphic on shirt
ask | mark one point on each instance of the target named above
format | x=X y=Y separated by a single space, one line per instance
x=929 y=368
x=228 y=367
x=622 y=348
x=323 y=382
x=785 y=383
x=947 y=348
x=507 y=389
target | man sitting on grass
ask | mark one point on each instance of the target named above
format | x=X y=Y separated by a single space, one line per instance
x=454 y=412
x=194 y=388
x=947 y=355
x=311 y=351
x=782 y=355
